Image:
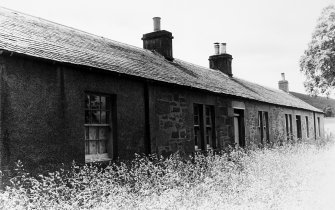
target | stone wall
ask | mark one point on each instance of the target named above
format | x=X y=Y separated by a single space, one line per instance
x=172 y=119
x=277 y=123
x=43 y=118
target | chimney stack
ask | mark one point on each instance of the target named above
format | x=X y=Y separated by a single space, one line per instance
x=159 y=41
x=283 y=84
x=221 y=60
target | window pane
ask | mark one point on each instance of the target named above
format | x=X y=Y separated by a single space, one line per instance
x=108 y=117
x=87 y=102
x=86 y=132
x=196 y=120
x=102 y=147
x=208 y=121
x=196 y=137
x=103 y=117
x=103 y=133
x=196 y=110
x=95 y=102
x=87 y=147
x=95 y=117
x=209 y=135
x=87 y=117
x=108 y=103
x=92 y=147
x=207 y=111
x=93 y=133
x=103 y=102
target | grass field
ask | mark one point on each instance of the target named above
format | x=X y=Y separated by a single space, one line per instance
x=287 y=177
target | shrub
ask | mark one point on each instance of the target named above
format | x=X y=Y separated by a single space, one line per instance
x=261 y=178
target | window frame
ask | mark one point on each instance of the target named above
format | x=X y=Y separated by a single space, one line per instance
x=289 y=129
x=319 y=129
x=307 y=126
x=263 y=126
x=298 y=125
x=109 y=125
x=203 y=140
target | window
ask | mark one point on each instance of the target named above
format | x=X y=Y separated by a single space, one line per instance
x=204 y=127
x=239 y=133
x=263 y=126
x=298 y=123
x=98 y=127
x=209 y=134
x=197 y=109
x=288 y=123
x=307 y=127
x=319 y=126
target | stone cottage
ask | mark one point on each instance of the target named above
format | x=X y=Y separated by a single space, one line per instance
x=69 y=95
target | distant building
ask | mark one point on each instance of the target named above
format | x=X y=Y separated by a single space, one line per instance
x=69 y=95
x=327 y=105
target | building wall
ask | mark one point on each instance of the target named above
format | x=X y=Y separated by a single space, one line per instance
x=277 y=124
x=172 y=119
x=43 y=119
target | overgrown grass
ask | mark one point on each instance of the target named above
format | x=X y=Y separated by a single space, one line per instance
x=270 y=178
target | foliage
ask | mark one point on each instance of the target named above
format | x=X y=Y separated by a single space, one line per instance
x=270 y=178
x=318 y=61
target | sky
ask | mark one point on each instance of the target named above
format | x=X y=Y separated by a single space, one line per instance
x=265 y=37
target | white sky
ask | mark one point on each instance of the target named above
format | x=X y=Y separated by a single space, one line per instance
x=265 y=37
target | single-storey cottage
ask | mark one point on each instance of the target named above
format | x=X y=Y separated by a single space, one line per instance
x=69 y=95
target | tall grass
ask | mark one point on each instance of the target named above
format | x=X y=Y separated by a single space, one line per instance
x=270 y=178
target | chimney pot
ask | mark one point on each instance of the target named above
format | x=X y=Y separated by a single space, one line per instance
x=216 y=48
x=283 y=76
x=157 y=23
x=223 y=48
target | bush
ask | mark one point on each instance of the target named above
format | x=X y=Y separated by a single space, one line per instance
x=267 y=178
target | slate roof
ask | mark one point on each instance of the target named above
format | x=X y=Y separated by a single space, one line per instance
x=25 y=34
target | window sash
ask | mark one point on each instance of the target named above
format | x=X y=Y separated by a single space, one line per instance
x=307 y=127
x=263 y=126
x=98 y=131
x=298 y=123
x=319 y=126
x=203 y=127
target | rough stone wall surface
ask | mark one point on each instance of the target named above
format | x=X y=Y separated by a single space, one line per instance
x=172 y=119
x=44 y=111
x=277 y=124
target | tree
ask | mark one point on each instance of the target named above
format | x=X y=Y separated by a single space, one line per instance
x=318 y=61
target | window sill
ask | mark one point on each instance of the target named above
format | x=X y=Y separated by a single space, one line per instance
x=97 y=158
